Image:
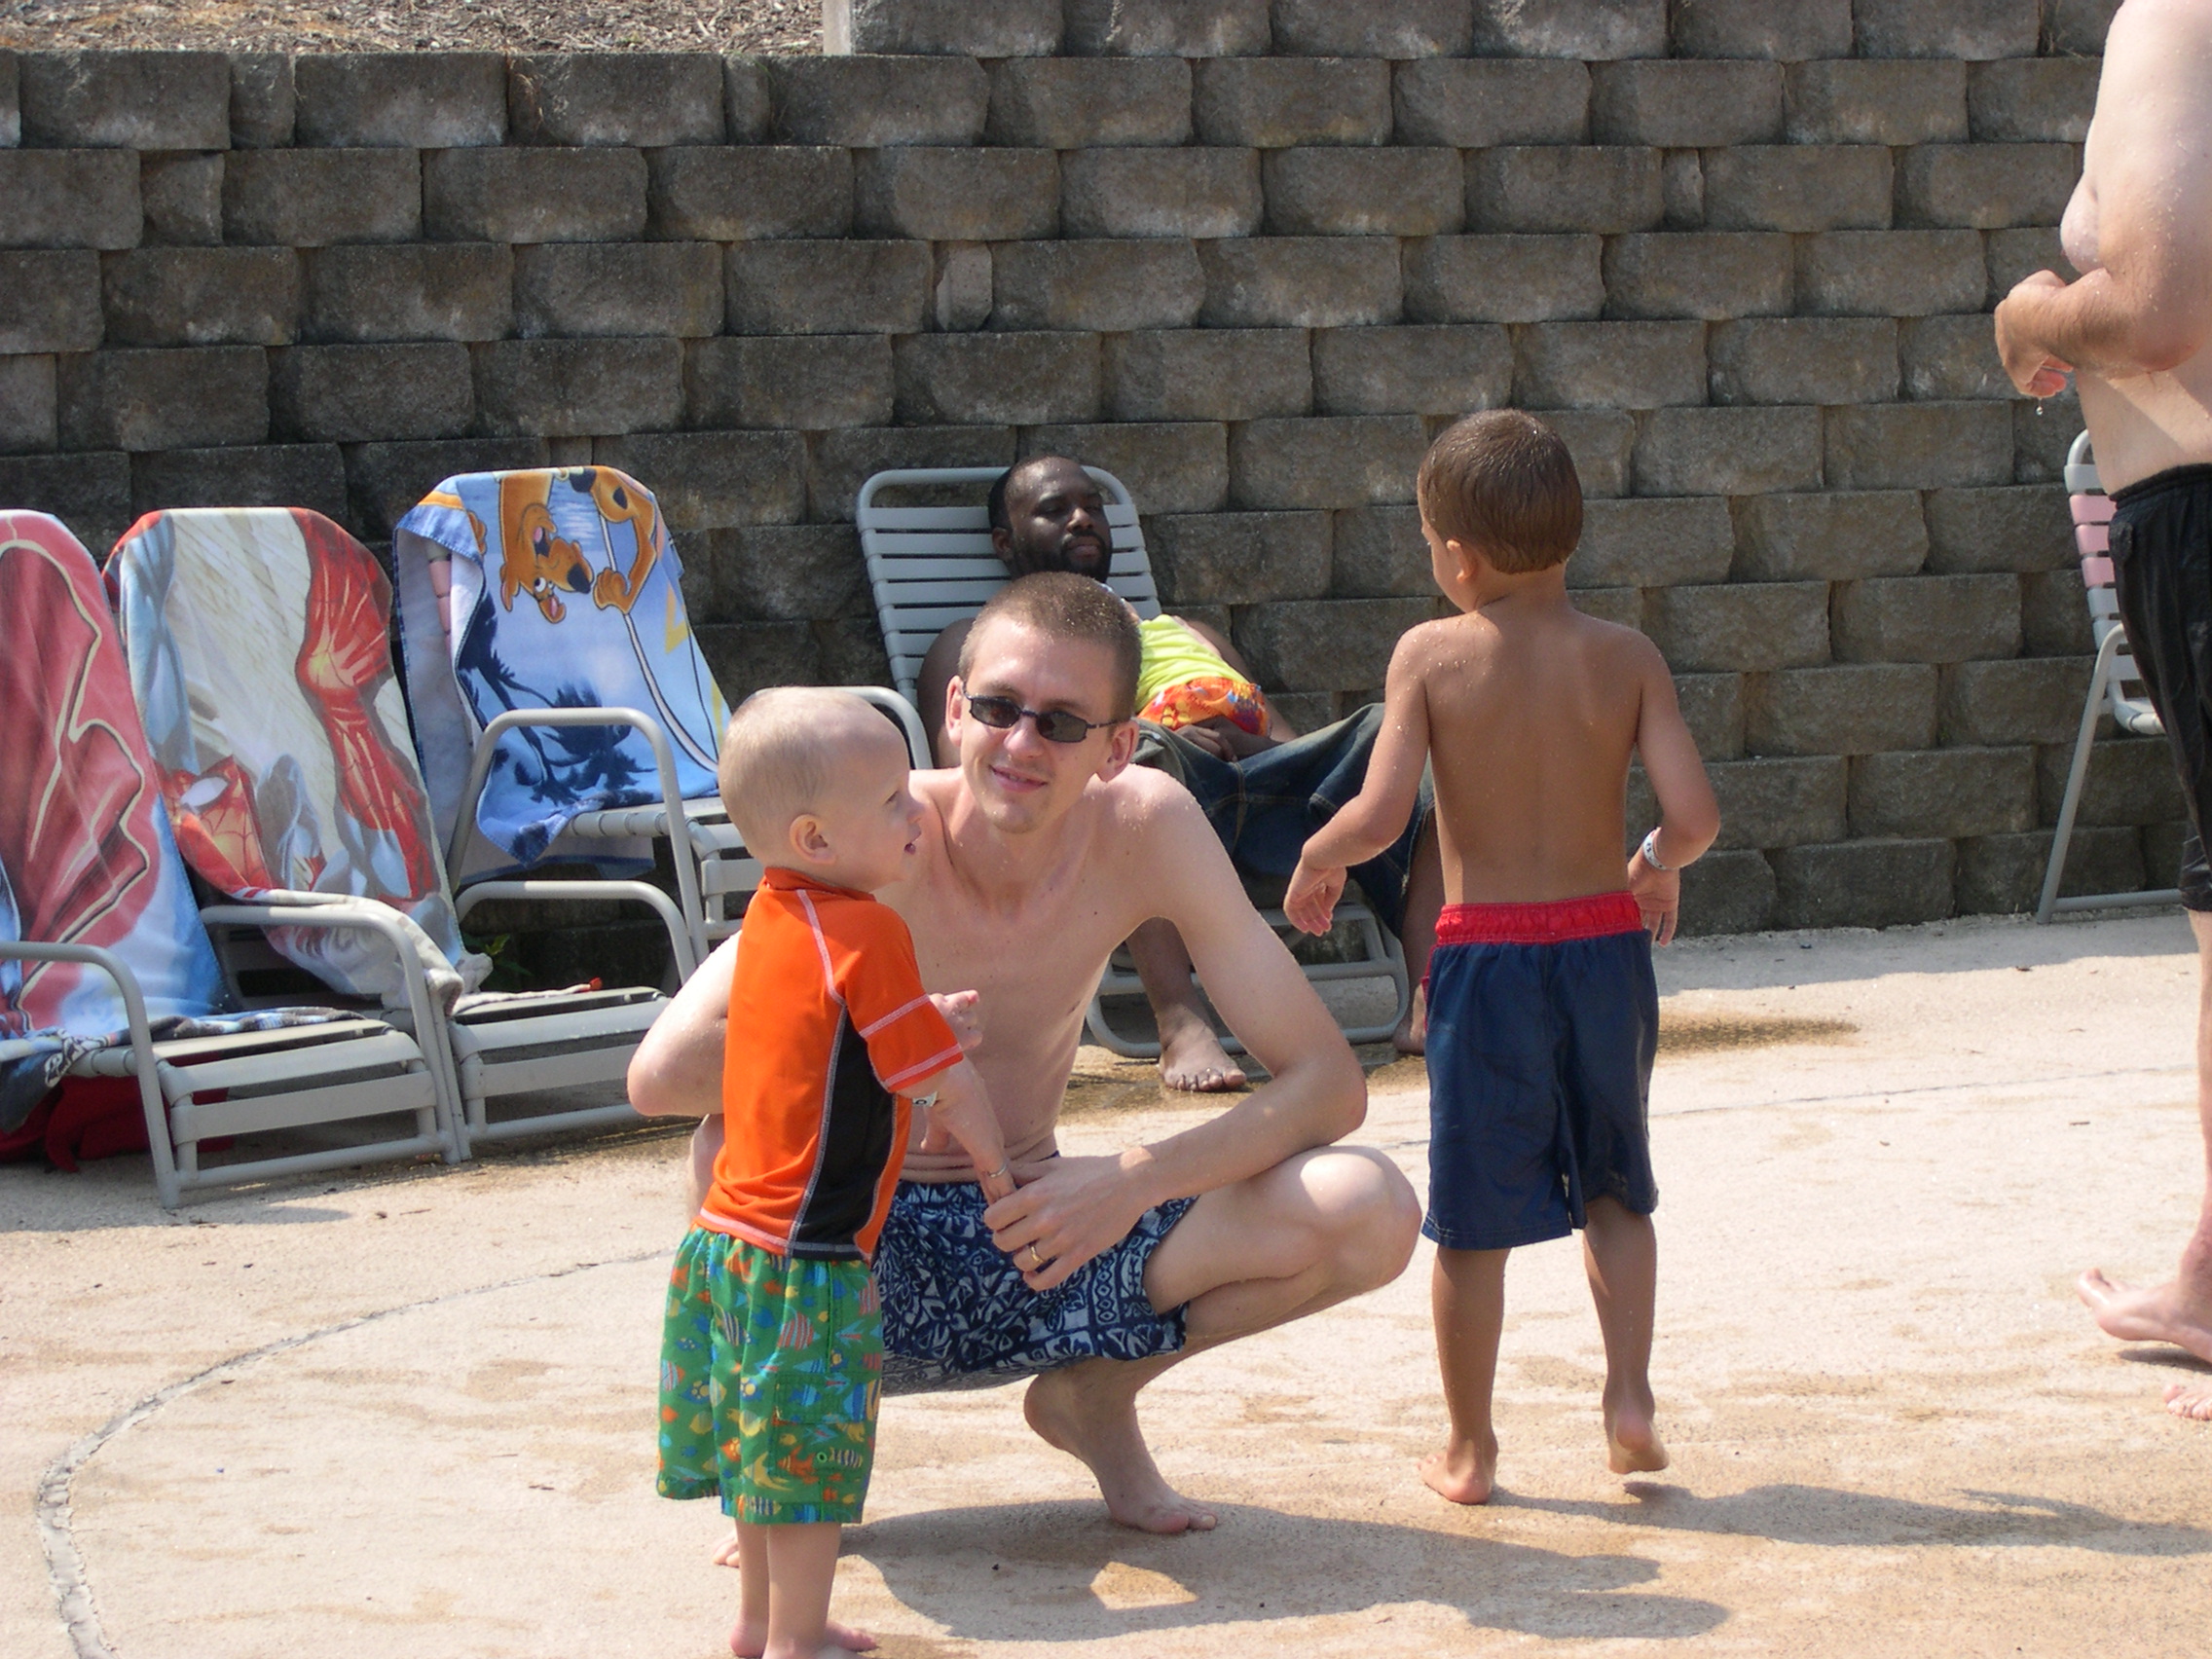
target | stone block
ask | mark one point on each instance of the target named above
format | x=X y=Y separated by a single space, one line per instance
x=1170 y=466
x=1939 y=619
x=1987 y=185
x=1621 y=607
x=868 y=103
x=1681 y=103
x=409 y=100
x=1240 y=558
x=1269 y=103
x=747 y=657
x=1786 y=33
x=1324 y=644
x=1596 y=31
x=1027 y=379
x=71 y=199
x=618 y=288
x=1952 y=793
x=1341 y=191
x=1726 y=892
x=1742 y=627
x=2076 y=26
x=1681 y=189
x=2042 y=431
x=1832 y=535
x=842 y=461
x=1713 y=708
x=803 y=383
x=263 y=101
x=2025 y=100
x=1823 y=360
x=1778 y=803
x=1863 y=884
x=182 y=195
x=2017 y=253
x=1378 y=552
x=2009 y=528
x=244 y=475
x=745 y=192
x=1165 y=29
x=647 y=98
x=1113 y=287
x=1654 y=543
x=779 y=572
x=1971 y=29
x=124 y=101
x=28 y=412
x=1300 y=282
x=319 y=197
x=958 y=195
x=970 y=29
x=575 y=389
x=1502 y=279
x=49 y=300
x=1138 y=191
x=2004 y=874
x=371 y=393
x=1728 y=452
x=2131 y=781
x=1798 y=187
x=197 y=296
x=1601 y=442
x=2161 y=845
x=827 y=288
x=1212 y=374
x=1918 y=446
x=1564 y=187
x=1068 y=103
x=1952 y=357
x=1870 y=101
x=961 y=286
x=1889 y=273
x=1699 y=275
x=1405 y=28
x=409 y=291
x=1476 y=103
x=2022 y=700
x=2054 y=615
x=91 y=493
x=386 y=480
x=10 y=101
x=1609 y=365
x=1341 y=460
x=157 y=399
x=534 y=196
x=1423 y=370
x=717 y=480
x=1851 y=709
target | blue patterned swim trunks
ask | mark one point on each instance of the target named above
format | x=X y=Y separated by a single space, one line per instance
x=956 y=1313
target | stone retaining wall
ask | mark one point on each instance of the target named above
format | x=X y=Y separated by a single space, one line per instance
x=1247 y=256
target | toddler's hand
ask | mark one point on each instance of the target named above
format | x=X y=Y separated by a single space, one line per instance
x=1311 y=900
x=1658 y=895
x=963 y=1012
x=962 y=1117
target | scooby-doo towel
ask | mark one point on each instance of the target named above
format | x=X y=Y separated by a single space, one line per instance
x=550 y=589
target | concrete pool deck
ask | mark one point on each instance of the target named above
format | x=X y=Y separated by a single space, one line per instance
x=410 y=1411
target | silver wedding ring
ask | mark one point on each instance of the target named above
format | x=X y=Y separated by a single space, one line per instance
x=994 y=1174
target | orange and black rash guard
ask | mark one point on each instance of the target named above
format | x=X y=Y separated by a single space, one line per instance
x=829 y=1036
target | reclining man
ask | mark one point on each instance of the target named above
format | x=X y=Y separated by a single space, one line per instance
x=1265 y=788
x=1038 y=855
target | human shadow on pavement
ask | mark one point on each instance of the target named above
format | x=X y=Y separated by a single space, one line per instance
x=1063 y=1572
x=1793 y=1514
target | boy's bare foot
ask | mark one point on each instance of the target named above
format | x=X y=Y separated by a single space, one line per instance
x=2192 y=1400
x=748 y=1642
x=1632 y=1442
x=1411 y=1035
x=1463 y=1472
x=1099 y=1426
x=1192 y=1057
x=2166 y=1313
x=726 y=1551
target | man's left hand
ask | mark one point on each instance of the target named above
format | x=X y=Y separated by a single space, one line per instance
x=1069 y=1211
x=2030 y=369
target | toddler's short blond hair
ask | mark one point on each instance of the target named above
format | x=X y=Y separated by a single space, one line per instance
x=780 y=755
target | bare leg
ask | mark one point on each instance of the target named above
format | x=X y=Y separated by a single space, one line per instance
x=1424 y=900
x=2180 y=1311
x=1620 y=1252
x=753 y=1552
x=1191 y=1055
x=1314 y=1230
x=1468 y=1296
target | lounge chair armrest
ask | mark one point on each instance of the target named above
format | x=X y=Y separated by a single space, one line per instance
x=643 y=892
x=908 y=718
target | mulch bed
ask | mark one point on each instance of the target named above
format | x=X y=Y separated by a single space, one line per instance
x=426 y=25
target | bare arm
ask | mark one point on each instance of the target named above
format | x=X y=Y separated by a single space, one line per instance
x=2150 y=163
x=676 y=1071
x=940 y=664
x=1689 y=818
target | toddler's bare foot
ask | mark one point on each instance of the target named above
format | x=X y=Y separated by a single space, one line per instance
x=1463 y=1472
x=749 y=1641
x=2192 y=1400
x=1411 y=1035
x=725 y=1552
x=2166 y=1313
x=1192 y=1057
x=1632 y=1443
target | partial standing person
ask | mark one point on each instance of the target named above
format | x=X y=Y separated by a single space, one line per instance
x=1544 y=1016
x=2136 y=334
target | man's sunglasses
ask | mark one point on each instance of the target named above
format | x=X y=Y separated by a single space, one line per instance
x=1053 y=725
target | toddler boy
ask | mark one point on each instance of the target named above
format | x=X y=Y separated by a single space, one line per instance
x=772 y=1347
x=1542 y=1010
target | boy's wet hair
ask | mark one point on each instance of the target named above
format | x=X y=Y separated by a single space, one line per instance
x=779 y=758
x=1504 y=483
x=1073 y=607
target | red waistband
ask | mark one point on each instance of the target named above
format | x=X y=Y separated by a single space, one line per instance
x=1551 y=923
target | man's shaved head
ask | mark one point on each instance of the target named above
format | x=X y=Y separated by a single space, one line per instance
x=1048 y=514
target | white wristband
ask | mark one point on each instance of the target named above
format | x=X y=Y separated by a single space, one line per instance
x=1650 y=851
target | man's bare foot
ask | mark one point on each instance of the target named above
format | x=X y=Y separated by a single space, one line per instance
x=2192 y=1400
x=1101 y=1428
x=1411 y=1035
x=2166 y=1313
x=1632 y=1441
x=748 y=1642
x=1192 y=1057
x=1463 y=1472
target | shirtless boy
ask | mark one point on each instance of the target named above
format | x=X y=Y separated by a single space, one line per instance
x=1544 y=1016
x=1039 y=854
x=2136 y=332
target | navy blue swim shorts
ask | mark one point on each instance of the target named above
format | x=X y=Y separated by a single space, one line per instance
x=1543 y=1023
